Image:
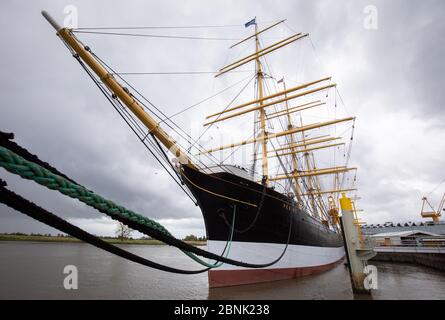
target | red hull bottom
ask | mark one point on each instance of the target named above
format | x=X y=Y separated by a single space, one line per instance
x=226 y=278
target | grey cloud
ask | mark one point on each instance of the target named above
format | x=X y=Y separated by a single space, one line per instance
x=57 y=113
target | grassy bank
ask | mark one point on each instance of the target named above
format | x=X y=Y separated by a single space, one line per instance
x=37 y=238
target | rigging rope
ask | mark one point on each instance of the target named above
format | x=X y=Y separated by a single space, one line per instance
x=159 y=27
x=348 y=157
x=31 y=171
x=156 y=36
x=32 y=210
x=105 y=65
x=170 y=27
x=228 y=105
x=181 y=133
x=260 y=207
x=171 y=72
x=44 y=176
x=228 y=246
x=435 y=188
x=5 y=140
x=204 y=100
x=112 y=101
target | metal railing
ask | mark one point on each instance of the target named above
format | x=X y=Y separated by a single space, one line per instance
x=423 y=245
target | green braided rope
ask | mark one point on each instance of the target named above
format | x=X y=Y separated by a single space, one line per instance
x=229 y=244
x=32 y=171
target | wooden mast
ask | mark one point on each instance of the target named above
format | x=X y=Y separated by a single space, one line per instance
x=261 y=53
x=261 y=106
x=274 y=115
x=311 y=141
x=262 y=110
x=122 y=93
x=311 y=173
x=314 y=172
x=257 y=33
x=280 y=134
x=305 y=150
x=332 y=191
x=274 y=95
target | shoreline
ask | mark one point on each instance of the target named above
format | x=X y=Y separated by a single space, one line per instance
x=55 y=239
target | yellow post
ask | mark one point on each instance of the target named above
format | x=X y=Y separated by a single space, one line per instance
x=345 y=202
x=356 y=254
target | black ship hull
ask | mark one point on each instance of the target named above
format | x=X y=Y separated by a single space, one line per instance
x=265 y=221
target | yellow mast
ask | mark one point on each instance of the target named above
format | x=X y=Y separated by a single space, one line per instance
x=310 y=141
x=317 y=188
x=331 y=191
x=252 y=56
x=274 y=115
x=316 y=140
x=314 y=172
x=280 y=134
x=257 y=33
x=261 y=106
x=260 y=53
x=274 y=95
x=333 y=212
x=122 y=93
x=262 y=110
x=261 y=102
x=293 y=152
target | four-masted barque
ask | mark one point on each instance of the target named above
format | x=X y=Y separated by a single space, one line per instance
x=290 y=215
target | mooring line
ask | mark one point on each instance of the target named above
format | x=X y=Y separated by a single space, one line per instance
x=32 y=210
x=31 y=171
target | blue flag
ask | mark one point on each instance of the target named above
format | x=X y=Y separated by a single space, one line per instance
x=250 y=22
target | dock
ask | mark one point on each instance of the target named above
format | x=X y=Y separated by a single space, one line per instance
x=410 y=246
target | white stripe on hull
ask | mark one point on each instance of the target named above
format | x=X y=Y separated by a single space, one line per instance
x=296 y=256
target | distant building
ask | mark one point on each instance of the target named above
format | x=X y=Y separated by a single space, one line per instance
x=404 y=238
x=437 y=228
x=412 y=246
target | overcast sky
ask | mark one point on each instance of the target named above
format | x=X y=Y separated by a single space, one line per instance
x=390 y=78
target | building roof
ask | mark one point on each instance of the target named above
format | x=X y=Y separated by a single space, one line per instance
x=438 y=228
x=404 y=234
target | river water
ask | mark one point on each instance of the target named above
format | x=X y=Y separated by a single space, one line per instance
x=31 y=270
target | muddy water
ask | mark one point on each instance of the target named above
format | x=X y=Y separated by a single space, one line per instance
x=35 y=271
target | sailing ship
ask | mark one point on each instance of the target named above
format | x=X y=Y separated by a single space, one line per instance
x=250 y=216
